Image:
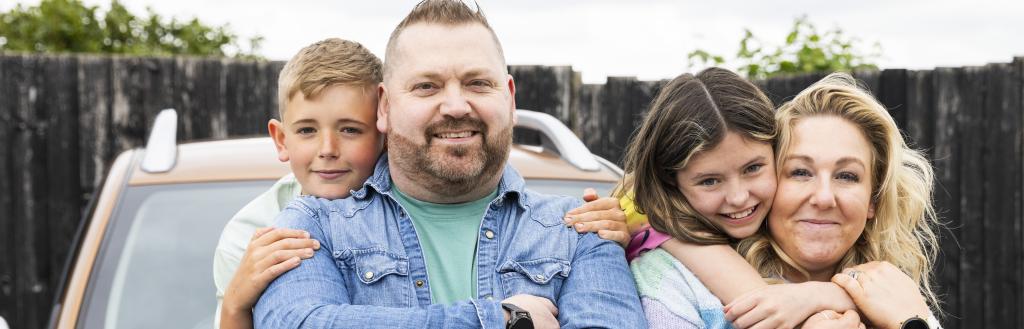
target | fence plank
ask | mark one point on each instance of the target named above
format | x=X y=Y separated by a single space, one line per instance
x=947 y=192
x=94 y=99
x=972 y=89
x=1002 y=203
x=62 y=197
x=31 y=252
x=8 y=260
x=590 y=125
x=919 y=111
x=892 y=92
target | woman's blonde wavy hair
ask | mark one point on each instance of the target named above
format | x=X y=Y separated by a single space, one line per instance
x=902 y=231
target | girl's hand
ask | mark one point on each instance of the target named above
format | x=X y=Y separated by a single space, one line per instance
x=831 y=320
x=601 y=215
x=885 y=295
x=785 y=305
x=270 y=253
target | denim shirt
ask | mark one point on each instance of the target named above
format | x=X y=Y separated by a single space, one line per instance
x=370 y=270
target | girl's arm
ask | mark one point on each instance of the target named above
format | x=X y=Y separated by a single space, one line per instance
x=749 y=299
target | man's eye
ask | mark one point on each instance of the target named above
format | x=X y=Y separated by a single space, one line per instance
x=423 y=86
x=480 y=83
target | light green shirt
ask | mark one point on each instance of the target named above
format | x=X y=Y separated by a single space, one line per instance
x=260 y=212
x=448 y=234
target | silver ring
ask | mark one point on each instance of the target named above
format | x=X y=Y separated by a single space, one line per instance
x=853 y=274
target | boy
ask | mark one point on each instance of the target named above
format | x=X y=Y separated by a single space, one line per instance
x=327 y=102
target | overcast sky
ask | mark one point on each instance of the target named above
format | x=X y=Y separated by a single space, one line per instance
x=647 y=39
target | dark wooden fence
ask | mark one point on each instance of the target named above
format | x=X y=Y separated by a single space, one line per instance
x=64 y=118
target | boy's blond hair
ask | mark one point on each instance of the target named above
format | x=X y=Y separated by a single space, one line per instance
x=326 y=63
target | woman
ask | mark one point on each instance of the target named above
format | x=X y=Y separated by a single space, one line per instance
x=853 y=206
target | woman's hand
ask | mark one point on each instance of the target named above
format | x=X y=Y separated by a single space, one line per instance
x=831 y=320
x=601 y=215
x=782 y=305
x=885 y=295
x=270 y=253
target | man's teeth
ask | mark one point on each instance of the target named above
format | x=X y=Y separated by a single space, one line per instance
x=741 y=214
x=463 y=134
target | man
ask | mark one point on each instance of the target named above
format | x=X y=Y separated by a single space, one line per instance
x=444 y=234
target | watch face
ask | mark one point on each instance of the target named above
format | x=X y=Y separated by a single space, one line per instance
x=915 y=323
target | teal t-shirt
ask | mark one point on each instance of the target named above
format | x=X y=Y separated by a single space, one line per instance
x=448 y=234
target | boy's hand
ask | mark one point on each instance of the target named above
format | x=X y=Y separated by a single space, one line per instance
x=601 y=215
x=831 y=320
x=270 y=253
x=543 y=313
x=885 y=294
x=785 y=305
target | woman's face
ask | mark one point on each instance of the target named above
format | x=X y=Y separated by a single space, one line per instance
x=731 y=184
x=824 y=193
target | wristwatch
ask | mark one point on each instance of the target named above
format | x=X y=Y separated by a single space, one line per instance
x=518 y=318
x=917 y=322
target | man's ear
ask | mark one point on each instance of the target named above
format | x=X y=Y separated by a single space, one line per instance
x=512 y=95
x=276 y=129
x=383 y=107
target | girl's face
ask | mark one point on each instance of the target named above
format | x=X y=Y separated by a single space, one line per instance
x=824 y=198
x=732 y=184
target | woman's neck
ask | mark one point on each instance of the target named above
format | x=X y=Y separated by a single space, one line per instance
x=794 y=276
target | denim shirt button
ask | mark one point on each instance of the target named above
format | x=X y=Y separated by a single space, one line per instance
x=401 y=213
x=368 y=275
x=539 y=277
x=489 y=297
x=489 y=234
x=419 y=283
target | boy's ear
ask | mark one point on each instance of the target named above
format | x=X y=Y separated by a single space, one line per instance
x=276 y=129
x=383 y=107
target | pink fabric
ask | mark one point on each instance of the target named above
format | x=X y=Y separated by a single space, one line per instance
x=643 y=241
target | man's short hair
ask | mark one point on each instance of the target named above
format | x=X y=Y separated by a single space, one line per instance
x=324 y=64
x=444 y=12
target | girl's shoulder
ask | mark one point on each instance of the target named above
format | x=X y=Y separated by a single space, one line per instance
x=662 y=279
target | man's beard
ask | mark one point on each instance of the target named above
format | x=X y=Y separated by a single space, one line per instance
x=451 y=170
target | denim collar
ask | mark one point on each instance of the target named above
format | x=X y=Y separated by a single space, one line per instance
x=511 y=184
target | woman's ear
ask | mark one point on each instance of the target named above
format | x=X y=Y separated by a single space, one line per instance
x=871 y=209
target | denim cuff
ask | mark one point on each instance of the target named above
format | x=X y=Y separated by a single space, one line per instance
x=490 y=313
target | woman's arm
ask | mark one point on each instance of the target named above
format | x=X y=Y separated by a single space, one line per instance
x=885 y=294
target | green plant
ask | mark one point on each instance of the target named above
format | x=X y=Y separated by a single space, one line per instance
x=805 y=50
x=59 y=26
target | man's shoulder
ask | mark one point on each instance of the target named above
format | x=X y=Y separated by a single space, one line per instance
x=548 y=208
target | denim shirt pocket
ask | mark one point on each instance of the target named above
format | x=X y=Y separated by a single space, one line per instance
x=375 y=276
x=539 y=277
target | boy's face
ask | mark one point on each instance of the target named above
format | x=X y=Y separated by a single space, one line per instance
x=331 y=140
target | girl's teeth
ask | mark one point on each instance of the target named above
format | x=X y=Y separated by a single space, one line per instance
x=741 y=214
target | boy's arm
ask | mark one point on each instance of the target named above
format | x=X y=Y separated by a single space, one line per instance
x=314 y=295
x=599 y=292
